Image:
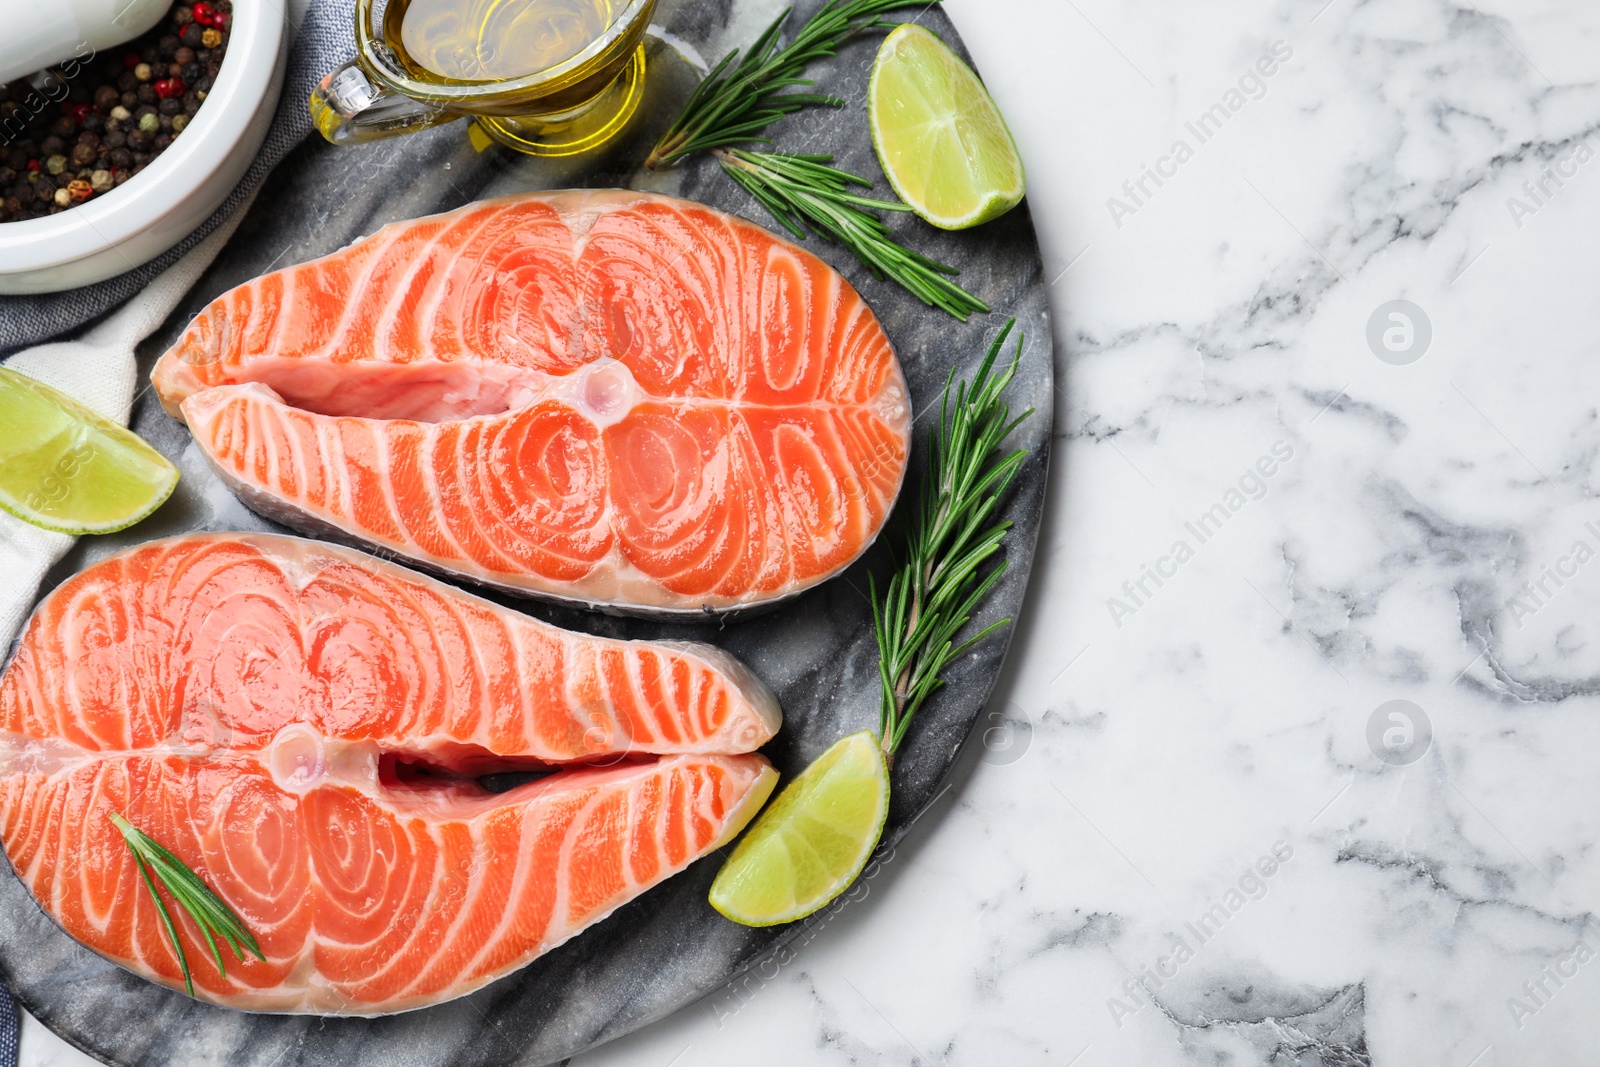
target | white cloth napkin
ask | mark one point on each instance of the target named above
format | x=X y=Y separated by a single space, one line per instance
x=98 y=370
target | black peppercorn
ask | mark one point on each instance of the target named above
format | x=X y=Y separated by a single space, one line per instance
x=191 y=34
x=138 y=140
x=94 y=122
x=170 y=106
x=63 y=127
x=121 y=157
x=105 y=97
x=147 y=94
x=130 y=100
x=167 y=46
x=53 y=146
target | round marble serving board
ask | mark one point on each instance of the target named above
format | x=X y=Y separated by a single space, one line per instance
x=667 y=948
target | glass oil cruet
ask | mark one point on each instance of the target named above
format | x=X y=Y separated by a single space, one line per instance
x=544 y=77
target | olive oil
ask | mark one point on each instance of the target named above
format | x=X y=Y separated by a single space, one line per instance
x=492 y=40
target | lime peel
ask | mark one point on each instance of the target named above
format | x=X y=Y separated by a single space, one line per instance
x=65 y=467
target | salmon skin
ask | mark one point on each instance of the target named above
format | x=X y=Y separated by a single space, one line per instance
x=626 y=400
x=301 y=725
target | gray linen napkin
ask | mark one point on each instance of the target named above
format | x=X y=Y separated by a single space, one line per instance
x=323 y=41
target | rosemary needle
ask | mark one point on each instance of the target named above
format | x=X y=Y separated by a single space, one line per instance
x=214 y=918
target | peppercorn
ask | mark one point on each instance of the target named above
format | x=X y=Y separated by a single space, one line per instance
x=100 y=181
x=53 y=145
x=204 y=13
x=170 y=87
x=147 y=94
x=178 y=124
x=78 y=190
x=121 y=157
x=56 y=164
x=192 y=34
x=142 y=72
x=183 y=56
x=121 y=114
x=138 y=141
x=171 y=106
x=149 y=122
x=181 y=15
x=167 y=46
x=63 y=127
x=63 y=198
x=105 y=98
x=83 y=155
x=130 y=100
x=211 y=38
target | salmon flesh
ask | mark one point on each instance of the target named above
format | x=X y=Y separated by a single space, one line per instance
x=612 y=397
x=305 y=727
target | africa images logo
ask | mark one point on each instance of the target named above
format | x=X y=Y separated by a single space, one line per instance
x=1252 y=85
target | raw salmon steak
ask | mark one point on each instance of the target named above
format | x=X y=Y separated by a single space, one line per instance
x=622 y=399
x=305 y=727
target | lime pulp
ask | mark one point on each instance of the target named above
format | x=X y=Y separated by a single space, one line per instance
x=67 y=468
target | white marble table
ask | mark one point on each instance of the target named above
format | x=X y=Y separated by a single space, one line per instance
x=1194 y=836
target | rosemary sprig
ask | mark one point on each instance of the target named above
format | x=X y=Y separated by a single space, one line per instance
x=937 y=586
x=804 y=193
x=213 y=917
x=737 y=101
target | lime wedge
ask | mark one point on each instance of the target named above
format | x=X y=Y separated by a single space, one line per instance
x=810 y=844
x=939 y=135
x=67 y=468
